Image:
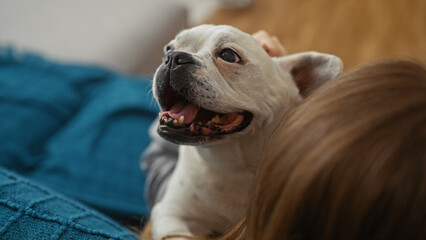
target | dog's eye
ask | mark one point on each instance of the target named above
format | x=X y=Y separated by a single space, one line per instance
x=229 y=56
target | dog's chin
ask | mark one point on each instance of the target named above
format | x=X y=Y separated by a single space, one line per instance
x=181 y=136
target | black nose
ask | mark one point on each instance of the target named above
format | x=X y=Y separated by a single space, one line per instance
x=179 y=58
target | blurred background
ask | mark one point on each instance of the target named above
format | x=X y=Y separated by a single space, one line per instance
x=355 y=30
x=128 y=36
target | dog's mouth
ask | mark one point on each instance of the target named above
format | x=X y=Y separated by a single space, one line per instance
x=182 y=117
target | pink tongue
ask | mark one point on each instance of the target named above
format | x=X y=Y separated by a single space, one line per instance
x=189 y=112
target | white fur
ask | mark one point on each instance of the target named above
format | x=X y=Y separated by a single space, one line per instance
x=209 y=189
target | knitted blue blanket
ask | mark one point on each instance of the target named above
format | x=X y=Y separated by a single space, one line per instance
x=78 y=130
x=29 y=211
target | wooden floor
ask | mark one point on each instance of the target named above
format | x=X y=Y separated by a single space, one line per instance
x=357 y=31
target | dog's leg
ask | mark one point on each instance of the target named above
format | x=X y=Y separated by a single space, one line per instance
x=170 y=218
x=171 y=214
x=166 y=223
x=182 y=211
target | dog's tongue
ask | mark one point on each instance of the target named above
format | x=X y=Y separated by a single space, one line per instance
x=189 y=111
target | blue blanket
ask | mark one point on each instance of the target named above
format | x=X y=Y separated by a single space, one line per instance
x=30 y=211
x=78 y=130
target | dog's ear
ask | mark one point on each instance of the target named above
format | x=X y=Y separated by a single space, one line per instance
x=310 y=69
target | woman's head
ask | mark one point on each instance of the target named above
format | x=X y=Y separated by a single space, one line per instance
x=350 y=162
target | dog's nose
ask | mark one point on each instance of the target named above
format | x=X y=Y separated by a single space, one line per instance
x=181 y=58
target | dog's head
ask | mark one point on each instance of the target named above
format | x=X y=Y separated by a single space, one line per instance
x=217 y=82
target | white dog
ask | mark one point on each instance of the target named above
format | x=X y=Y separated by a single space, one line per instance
x=221 y=96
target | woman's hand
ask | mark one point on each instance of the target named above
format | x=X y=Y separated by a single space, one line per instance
x=271 y=44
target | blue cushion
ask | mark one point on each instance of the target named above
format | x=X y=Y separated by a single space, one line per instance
x=29 y=211
x=79 y=130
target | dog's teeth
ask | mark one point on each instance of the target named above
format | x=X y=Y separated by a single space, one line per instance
x=216 y=119
x=175 y=122
x=170 y=119
x=181 y=120
x=166 y=120
x=209 y=123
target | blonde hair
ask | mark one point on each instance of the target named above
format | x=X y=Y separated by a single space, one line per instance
x=349 y=163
